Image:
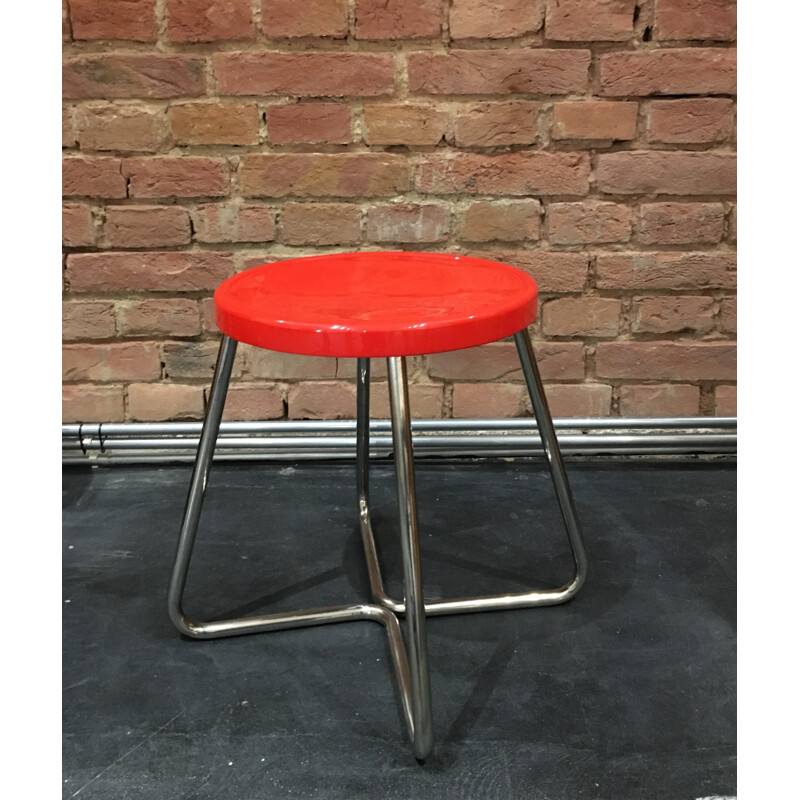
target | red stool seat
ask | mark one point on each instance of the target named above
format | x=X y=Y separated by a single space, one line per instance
x=380 y=304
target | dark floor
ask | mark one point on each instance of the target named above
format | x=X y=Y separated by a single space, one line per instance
x=628 y=691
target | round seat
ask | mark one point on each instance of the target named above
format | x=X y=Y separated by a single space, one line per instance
x=380 y=304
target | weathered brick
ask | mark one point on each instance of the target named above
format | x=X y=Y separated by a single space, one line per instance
x=581 y=316
x=589 y=120
x=194 y=360
x=208 y=315
x=87 y=403
x=503 y=220
x=702 y=270
x=147 y=271
x=589 y=222
x=398 y=19
x=309 y=123
x=146 y=226
x=567 y=400
x=214 y=123
x=424 y=399
x=695 y=19
x=287 y=366
x=67 y=128
x=675 y=172
x=666 y=361
x=233 y=222
x=488 y=400
x=700 y=119
x=115 y=127
x=725 y=397
x=496 y=124
x=672 y=314
x=320 y=223
x=318 y=175
x=560 y=361
x=732 y=225
x=133 y=20
x=488 y=362
x=111 y=75
x=66 y=27
x=148 y=402
x=407 y=222
x=495 y=19
x=322 y=400
x=696 y=70
x=176 y=177
x=727 y=314
x=589 y=20
x=388 y=124
x=77 y=227
x=93 y=177
x=253 y=401
x=90 y=319
x=125 y=361
x=154 y=317
x=553 y=272
x=281 y=18
x=522 y=173
x=305 y=74
x=209 y=20
x=492 y=72
x=348 y=368
x=681 y=223
x=662 y=400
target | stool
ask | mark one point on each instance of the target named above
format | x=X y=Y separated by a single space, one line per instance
x=369 y=305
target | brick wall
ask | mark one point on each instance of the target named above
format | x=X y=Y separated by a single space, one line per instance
x=589 y=142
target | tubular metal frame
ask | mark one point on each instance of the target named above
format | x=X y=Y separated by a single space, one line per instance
x=409 y=653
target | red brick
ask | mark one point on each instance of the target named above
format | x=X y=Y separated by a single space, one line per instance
x=700 y=120
x=233 y=222
x=560 y=360
x=407 y=222
x=113 y=19
x=67 y=128
x=587 y=223
x=398 y=19
x=681 y=223
x=347 y=368
x=404 y=124
x=672 y=314
x=488 y=400
x=725 y=397
x=159 y=402
x=173 y=317
x=666 y=361
x=478 y=19
x=589 y=20
x=318 y=175
x=147 y=226
x=595 y=120
x=496 y=124
x=567 y=400
x=581 y=316
x=114 y=127
x=157 y=272
x=317 y=18
x=732 y=225
x=695 y=19
x=320 y=223
x=208 y=315
x=504 y=220
x=663 y=400
x=703 y=270
x=93 y=177
x=675 y=172
x=77 y=226
x=696 y=70
x=522 y=173
x=66 y=27
x=137 y=361
x=85 y=403
x=176 y=177
x=287 y=366
x=505 y=71
x=214 y=123
x=309 y=123
x=111 y=75
x=305 y=74
x=727 y=314
x=322 y=400
x=253 y=401
x=424 y=399
x=209 y=20
x=194 y=360
x=489 y=362
x=553 y=272
x=91 y=319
